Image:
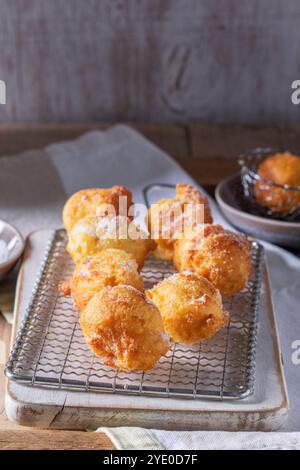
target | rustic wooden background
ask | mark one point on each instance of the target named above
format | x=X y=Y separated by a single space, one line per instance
x=149 y=60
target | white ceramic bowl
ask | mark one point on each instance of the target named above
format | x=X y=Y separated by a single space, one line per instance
x=272 y=230
x=11 y=247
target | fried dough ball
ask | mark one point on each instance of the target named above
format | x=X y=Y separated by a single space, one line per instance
x=221 y=256
x=190 y=306
x=168 y=217
x=109 y=268
x=284 y=169
x=94 y=202
x=96 y=233
x=124 y=328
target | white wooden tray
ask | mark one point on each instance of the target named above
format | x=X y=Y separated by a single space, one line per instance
x=266 y=409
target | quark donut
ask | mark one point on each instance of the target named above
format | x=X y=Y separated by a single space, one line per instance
x=283 y=169
x=95 y=202
x=108 y=268
x=221 y=256
x=167 y=218
x=124 y=328
x=96 y=233
x=190 y=306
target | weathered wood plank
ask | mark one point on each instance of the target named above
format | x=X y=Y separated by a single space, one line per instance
x=290 y=137
x=197 y=140
x=209 y=171
x=149 y=61
x=38 y=439
x=15 y=138
x=230 y=140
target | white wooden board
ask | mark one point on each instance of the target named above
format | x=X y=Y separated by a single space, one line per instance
x=266 y=409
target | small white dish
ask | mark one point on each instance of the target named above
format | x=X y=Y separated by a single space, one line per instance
x=229 y=198
x=11 y=247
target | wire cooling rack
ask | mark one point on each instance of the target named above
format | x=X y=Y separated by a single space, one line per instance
x=50 y=350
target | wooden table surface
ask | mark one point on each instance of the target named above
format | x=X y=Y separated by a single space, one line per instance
x=207 y=151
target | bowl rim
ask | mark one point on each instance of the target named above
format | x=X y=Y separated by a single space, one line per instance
x=242 y=161
x=10 y=261
x=236 y=211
